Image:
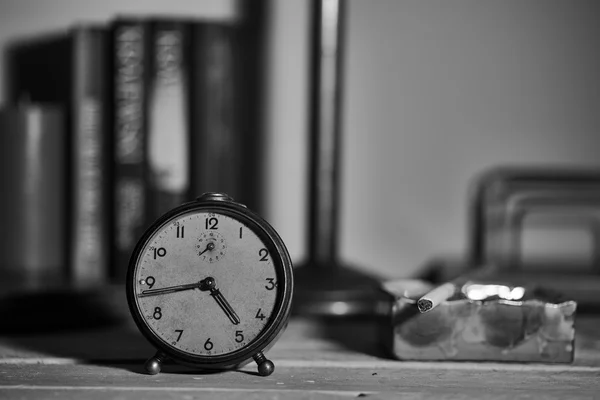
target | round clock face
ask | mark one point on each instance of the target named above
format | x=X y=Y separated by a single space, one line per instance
x=206 y=284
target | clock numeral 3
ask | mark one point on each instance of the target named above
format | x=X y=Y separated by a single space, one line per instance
x=272 y=284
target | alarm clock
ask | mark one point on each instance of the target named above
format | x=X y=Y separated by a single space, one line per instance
x=210 y=285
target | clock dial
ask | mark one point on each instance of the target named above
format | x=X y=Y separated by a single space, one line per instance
x=205 y=283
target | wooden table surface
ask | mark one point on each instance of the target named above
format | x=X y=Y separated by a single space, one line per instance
x=313 y=360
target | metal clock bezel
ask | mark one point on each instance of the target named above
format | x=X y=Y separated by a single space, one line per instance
x=283 y=267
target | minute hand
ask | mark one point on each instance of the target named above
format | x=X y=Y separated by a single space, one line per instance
x=170 y=289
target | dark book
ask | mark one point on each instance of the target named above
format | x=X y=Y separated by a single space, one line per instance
x=249 y=70
x=89 y=252
x=215 y=141
x=184 y=120
x=130 y=66
x=168 y=120
x=68 y=69
x=32 y=205
x=227 y=140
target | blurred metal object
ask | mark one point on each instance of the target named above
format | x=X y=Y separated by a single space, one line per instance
x=501 y=193
x=484 y=321
x=32 y=205
x=325 y=143
x=505 y=197
x=324 y=287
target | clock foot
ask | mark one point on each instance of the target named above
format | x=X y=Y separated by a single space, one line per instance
x=154 y=363
x=265 y=366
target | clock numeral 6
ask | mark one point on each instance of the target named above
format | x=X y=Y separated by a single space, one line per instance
x=239 y=336
x=271 y=284
x=208 y=345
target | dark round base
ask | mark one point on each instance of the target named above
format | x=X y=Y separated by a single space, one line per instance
x=337 y=291
x=266 y=368
x=154 y=363
x=153 y=366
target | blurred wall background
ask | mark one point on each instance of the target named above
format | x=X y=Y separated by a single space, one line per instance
x=436 y=91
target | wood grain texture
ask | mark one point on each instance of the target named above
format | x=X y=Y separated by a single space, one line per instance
x=128 y=381
x=313 y=361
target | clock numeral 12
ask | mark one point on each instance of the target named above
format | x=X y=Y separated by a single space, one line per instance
x=211 y=223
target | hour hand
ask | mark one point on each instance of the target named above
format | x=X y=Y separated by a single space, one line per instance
x=208 y=284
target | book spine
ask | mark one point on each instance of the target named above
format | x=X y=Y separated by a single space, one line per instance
x=89 y=247
x=32 y=205
x=130 y=50
x=249 y=45
x=215 y=143
x=168 y=128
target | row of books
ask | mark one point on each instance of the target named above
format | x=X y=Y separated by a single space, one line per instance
x=157 y=111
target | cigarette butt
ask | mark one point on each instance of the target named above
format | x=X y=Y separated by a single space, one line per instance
x=436 y=296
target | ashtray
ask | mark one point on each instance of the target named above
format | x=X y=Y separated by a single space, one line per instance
x=480 y=321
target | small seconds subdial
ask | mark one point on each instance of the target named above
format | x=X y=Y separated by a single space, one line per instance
x=211 y=247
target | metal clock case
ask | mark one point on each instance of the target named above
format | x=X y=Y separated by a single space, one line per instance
x=210 y=285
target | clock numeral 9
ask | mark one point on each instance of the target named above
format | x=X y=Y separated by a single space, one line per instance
x=211 y=223
x=272 y=284
x=157 y=313
x=150 y=281
x=239 y=336
x=208 y=345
